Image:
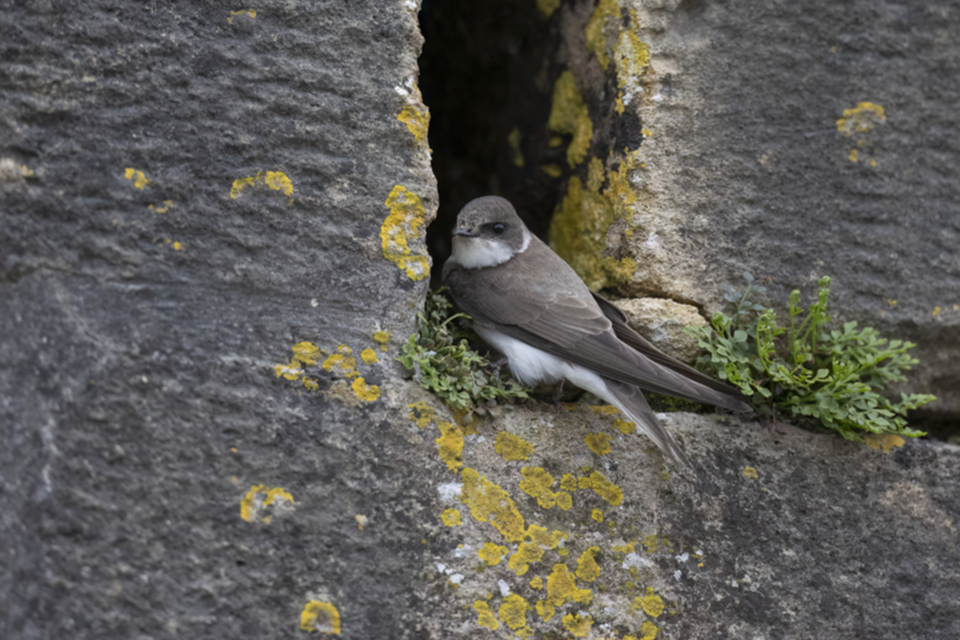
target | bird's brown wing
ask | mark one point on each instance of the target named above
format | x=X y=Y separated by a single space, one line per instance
x=537 y=298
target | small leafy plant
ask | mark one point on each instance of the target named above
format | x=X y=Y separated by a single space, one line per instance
x=834 y=375
x=440 y=356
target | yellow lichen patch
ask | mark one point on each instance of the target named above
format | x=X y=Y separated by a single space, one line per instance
x=569 y=114
x=511 y=447
x=513 y=611
x=513 y=139
x=552 y=170
x=491 y=553
x=166 y=206
x=489 y=503
x=259 y=498
x=450 y=444
x=596 y=40
x=569 y=482
x=886 y=442
x=577 y=625
x=139 y=180
x=273 y=180
x=306 y=352
x=864 y=117
x=382 y=338
x=648 y=630
x=750 y=472
x=587 y=568
x=311 y=384
x=631 y=57
x=561 y=588
x=603 y=488
x=536 y=583
x=650 y=543
x=624 y=427
x=599 y=443
x=651 y=603
x=854 y=155
x=248 y=12
x=544 y=538
x=418 y=122
x=366 y=392
x=178 y=246
x=537 y=482
x=597 y=515
x=369 y=356
x=402 y=227
x=485 y=617
x=547 y=7
x=320 y=616
x=421 y=413
x=527 y=553
x=646 y=133
x=451 y=517
x=604 y=410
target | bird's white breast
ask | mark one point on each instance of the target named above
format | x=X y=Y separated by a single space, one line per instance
x=478 y=253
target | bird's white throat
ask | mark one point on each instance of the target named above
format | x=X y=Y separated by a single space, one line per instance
x=478 y=253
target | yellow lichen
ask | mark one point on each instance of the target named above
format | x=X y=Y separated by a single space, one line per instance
x=604 y=409
x=750 y=472
x=561 y=588
x=450 y=444
x=513 y=611
x=259 y=498
x=451 y=517
x=651 y=603
x=587 y=568
x=648 y=630
x=273 y=180
x=537 y=482
x=369 y=356
x=511 y=447
x=552 y=170
x=547 y=7
x=366 y=392
x=864 y=117
x=624 y=427
x=513 y=139
x=489 y=503
x=646 y=132
x=491 y=553
x=886 y=442
x=595 y=38
x=527 y=553
x=248 y=12
x=650 y=543
x=597 y=515
x=346 y=363
x=320 y=616
x=544 y=538
x=382 y=338
x=418 y=122
x=167 y=205
x=536 y=583
x=854 y=155
x=577 y=625
x=631 y=57
x=569 y=482
x=402 y=227
x=569 y=114
x=579 y=229
x=603 y=488
x=306 y=353
x=139 y=179
x=421 y=413
x=599 y=443
x=311 y=384
x=485 y=617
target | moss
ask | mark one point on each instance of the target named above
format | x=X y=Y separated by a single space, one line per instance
x=569 y=115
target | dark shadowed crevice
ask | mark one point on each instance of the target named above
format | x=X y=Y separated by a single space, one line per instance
x=485 y=72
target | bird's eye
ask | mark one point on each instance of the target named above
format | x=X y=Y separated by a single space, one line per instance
x=499 y=229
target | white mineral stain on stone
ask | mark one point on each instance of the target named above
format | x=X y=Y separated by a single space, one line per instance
x=449 y=491
x=504 y=587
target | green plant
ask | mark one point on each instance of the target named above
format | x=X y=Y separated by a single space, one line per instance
x=440 y=356
x=808 y=369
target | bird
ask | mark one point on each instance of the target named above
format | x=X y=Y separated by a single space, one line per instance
x=527 y=303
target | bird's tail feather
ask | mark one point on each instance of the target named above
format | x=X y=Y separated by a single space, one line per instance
x=630 y=400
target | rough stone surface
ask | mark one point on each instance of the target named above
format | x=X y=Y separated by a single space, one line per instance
x=662 y=322
x=192 y=200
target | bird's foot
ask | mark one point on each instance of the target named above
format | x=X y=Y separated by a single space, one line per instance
x=496 y=369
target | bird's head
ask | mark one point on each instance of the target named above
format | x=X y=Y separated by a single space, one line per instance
x=488 y=232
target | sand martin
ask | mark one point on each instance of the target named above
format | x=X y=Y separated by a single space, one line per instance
x=528 y=304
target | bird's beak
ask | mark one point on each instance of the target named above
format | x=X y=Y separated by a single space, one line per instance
x=464 y=233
